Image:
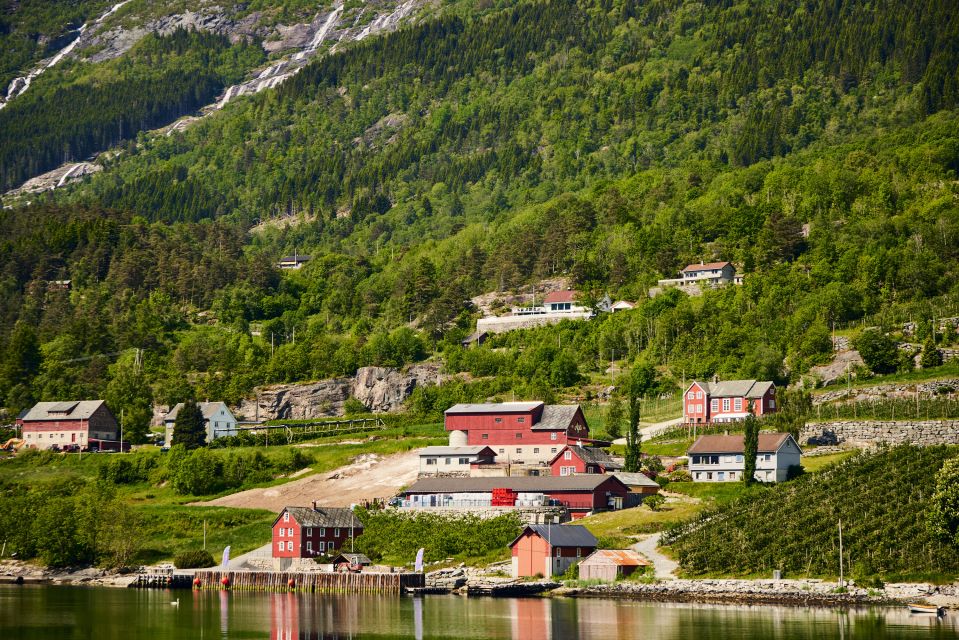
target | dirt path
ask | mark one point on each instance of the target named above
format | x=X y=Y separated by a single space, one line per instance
x=665 y=568
x=653 y=430
x=369 y=476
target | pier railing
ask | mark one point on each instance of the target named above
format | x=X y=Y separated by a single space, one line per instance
x=313 y=581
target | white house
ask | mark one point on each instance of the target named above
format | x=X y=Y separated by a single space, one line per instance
x=218 y=418
x=720 y=458
x=453 y=461
x=705 y=273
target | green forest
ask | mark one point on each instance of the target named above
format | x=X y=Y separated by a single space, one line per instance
x=610 y=142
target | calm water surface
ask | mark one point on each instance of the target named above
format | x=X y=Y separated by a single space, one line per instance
x=62 y=613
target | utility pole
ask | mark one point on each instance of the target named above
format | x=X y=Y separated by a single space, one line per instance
x=121 y=430
x=841 y=582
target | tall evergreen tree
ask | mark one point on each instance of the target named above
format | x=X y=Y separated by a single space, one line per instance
x=750 y=445
x=633 y=437
x=614 y=417
x=188 y=428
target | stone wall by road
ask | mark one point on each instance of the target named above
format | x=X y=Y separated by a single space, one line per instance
x=890 y=390
x=868 y=432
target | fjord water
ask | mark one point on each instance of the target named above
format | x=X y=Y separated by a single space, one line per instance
x=63 y=613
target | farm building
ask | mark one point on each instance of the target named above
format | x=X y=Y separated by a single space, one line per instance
x=70 y=425
x=350 y=562
x=640 y=485
x=304 y=532
x=580 y=494
x=453 y=461
x=573 y=459
x=519 y=432
x=720 y=458
x=610 y=564
x=547 y=550
x=727 y=401
x=217 y=418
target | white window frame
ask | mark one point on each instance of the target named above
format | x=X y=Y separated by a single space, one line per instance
x=309 y=547
x=322 y=532
x=725 y=404
x=336 y=532
x=714 y=404
x=286 y=516
x=738 y=404
x=322 y=547
x=567 y=455
x=553 y=436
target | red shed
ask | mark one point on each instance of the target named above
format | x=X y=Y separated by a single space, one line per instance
x=547 y=550
x=573 y=459
x=304 y=532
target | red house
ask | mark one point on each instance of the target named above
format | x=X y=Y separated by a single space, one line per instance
x=573 y=459
x=69 y=425
x=304 y=532
x=548 y=550
x=729 y=401
x=530 y=432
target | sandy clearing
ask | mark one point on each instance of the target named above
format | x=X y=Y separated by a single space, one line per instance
x=368 y=476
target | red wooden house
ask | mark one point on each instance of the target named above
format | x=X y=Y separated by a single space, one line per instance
x=728 y=401
x=304 y=532
x=73 y=424
x=573 y=459
x=528 y=432
x=548 y=550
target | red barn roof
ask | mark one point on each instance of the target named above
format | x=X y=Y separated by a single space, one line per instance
x=708 y=266
x=559 y=296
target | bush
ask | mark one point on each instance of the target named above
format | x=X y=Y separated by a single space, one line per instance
x=353 y=407
x=680 y=475
x=878 y=350
x=198 y=559
x=654 y=502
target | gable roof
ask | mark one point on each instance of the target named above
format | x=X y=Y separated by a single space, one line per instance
x=556 y=417
x=69 y=410
x=768 y=443
x=352 y=558
x=619 y=557
x=208 y=409
x=493 y=407
x=579 y=482
x=295 y=259
x=563 y=535
x=705 y=266
x=734 y=388
x=456 y=451
x=322 y=517
x=590 y=455
x=623 y=304
x=635 y=479
x=560 y=296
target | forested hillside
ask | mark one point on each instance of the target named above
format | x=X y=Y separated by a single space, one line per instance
x=611 y=142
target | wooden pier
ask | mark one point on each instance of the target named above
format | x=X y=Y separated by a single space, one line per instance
x=310 y=581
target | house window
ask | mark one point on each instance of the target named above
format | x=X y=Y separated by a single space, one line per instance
x=431 y=461
x=519 y=436
x=732 y=475
x=691 y=395
x=579 y=552
x=520 y=420
x=772 y=403
x=322 y=547
x=502 y=450
x=309 y=532
x=709 y=475
x=286 y=516
x=567 y=455
x=552 y=450
x=535 y=449
x=738 y=404
x=725 y=404
x=464 y=460
x=767 y=457
x=449 y=461
x=485 y=436
x=714 y=404
x=722 y=475
x=498 y=420
x=552 y=436
x=336 y=532
x=739 y=458
x=698 y=475
x=519 y=449
x=557 y=552
x=699 y=395
x=309 y=547
x=322 y=532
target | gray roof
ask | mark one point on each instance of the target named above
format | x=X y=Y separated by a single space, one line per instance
x=579 y=482
x=70 y=410
x=323 y=517
x=493 y=407
x=208 y=409
x=455 y=451
x=353 y=558
x=635 y=479
x=565 y=535
x=736 y=388
x=556 y=417
x=592 y=455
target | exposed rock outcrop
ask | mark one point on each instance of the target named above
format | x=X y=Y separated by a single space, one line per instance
x=380 y=389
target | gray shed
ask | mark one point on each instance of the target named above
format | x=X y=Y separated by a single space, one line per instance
x=610 y=564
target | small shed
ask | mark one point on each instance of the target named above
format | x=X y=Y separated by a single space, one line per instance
x=350 y=562
x=640 y=486
x=547 y=551
x=610 y=564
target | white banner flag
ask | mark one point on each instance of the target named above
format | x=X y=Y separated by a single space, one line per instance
x=419 y=560
x=226 y=557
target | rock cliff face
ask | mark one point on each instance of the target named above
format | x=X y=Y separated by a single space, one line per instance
x=380 y=389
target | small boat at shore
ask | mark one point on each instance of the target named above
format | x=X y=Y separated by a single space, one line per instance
x=927 y=608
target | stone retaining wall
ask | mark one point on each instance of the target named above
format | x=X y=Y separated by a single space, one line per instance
x=868 y=432
x=892 y=390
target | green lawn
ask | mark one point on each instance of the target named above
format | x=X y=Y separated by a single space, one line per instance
x=812 y=464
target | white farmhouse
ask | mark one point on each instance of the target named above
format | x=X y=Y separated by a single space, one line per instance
x=217 y=417
x=719 y=458
x=453 y=461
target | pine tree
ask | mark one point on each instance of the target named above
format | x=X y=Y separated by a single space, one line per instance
x=633 y=437
x=614 y=417
x=750 y=445
x=188 y=428
x=931 y=356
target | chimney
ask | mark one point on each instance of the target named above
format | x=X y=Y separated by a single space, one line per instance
x=715 y=378
x=314 y=505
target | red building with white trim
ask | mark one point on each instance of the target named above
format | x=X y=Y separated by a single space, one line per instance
x=304 y=532
x=72 y=424
x=573 y=459
x=728 y=401
x=547 y=550
x=519 y=432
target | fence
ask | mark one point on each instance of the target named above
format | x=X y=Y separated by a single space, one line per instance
x=306 y=430
x=889 y=409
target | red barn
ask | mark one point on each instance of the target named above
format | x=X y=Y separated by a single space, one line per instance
x=547 y=550
x=573 y=459
x=530 y=432
x=304 y=532
x=728 y=401
x=72 y=424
